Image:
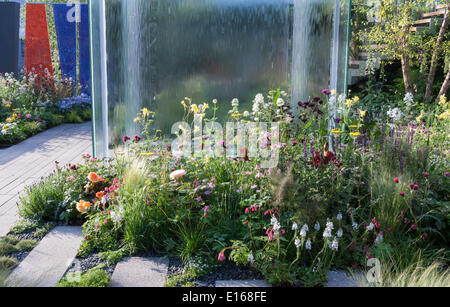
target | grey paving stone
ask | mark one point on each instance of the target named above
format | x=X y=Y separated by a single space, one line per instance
x=340 y=279
x=49 y=260
x=140 y=272
x=242 y=283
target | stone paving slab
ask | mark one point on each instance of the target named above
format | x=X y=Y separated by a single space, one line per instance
x=340 y=279
x=49 y=260
x=242 y=283
x=25 y=163
x=140 y=272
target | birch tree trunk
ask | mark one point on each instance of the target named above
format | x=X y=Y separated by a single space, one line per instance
x=435 y=58
x=445 y=86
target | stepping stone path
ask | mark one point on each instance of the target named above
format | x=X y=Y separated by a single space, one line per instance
x=242 y=283
x=49 y=260
x=25 y=163
x=140 y=272
x=340 y=279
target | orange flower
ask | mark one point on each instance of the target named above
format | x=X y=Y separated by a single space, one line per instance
x=94 y=178
x=83 y=206
x=99 y=195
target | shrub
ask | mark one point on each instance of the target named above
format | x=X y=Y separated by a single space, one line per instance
x=42 y=202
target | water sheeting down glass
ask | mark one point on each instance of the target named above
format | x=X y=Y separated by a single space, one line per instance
x=158 y=52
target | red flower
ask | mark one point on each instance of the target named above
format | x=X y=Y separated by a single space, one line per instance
x=126 y=138
x=137 y=138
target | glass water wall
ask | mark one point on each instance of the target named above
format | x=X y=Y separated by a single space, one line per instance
x=154 y=53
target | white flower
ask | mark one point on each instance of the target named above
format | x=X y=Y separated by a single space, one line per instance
x=276 y=226
x=235 y=103
x=330 y=225
x=273 y=220
x=280 y=102
x=327 y=233
x=305 y=227
x=340 y=233
x=395 y=114
x=370 y=227
x=339 y=216
x=354 y=225
x=294 y=226
x=250 y=258
x=308 y=244
x=303 y=233
x=409 y=99
x=335 y=244
x=298 y=242
x=259 y=99
x=317 y=226
x=246 y=114
x=379 y=239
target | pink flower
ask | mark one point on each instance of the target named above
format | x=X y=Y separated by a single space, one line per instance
x=411 y=186
x=221 y=257
x=396 y=179
x=254 y=208
x=416 y=187
x=137 y=138
x=105 y=222
x=426 y=175
x=247 y=210
x=414 y=226
x=126 y=138
x=402 y=194
x=424 y=236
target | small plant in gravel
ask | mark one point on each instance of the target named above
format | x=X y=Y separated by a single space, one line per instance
x=94 y=278
x=196 y=268
x=11 y=244
x=7 y=264
x=24 y=226
x=42 y=231
x=114 y=256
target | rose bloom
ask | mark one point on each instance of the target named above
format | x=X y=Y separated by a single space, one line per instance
x=83 y=206
x=99 y=194
x=175 y=175
x=94 y=178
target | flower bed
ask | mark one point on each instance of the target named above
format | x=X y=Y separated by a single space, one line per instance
x=29 y=105
x=333 y=201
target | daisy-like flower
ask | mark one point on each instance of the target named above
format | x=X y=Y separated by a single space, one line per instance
x=280 y=102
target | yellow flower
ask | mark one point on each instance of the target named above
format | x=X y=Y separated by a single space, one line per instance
x=146 y=154
x=183 y=104
x=194 y=108
x=333 y=92
x=355 y=99
x=145 y=112
x=362 y=113
x=236 y=115
x=443 y=100
x=444 y=115
x=355 y=133
x=336 y=131
x=137 y=119
x=353 y=126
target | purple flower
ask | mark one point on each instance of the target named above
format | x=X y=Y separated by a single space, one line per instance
x=326 y=92
x=446 y=174
x=338 y=120
x=253 y=186
x=199 y=199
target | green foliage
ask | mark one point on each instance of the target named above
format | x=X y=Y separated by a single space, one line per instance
x=94 y=278
x=11 y=244
x=6 y=264
x=115 y=256
x=42 y=202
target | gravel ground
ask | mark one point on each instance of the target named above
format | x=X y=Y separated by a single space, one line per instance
x=85 y=264
x=20 y=256
x=228 y=271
